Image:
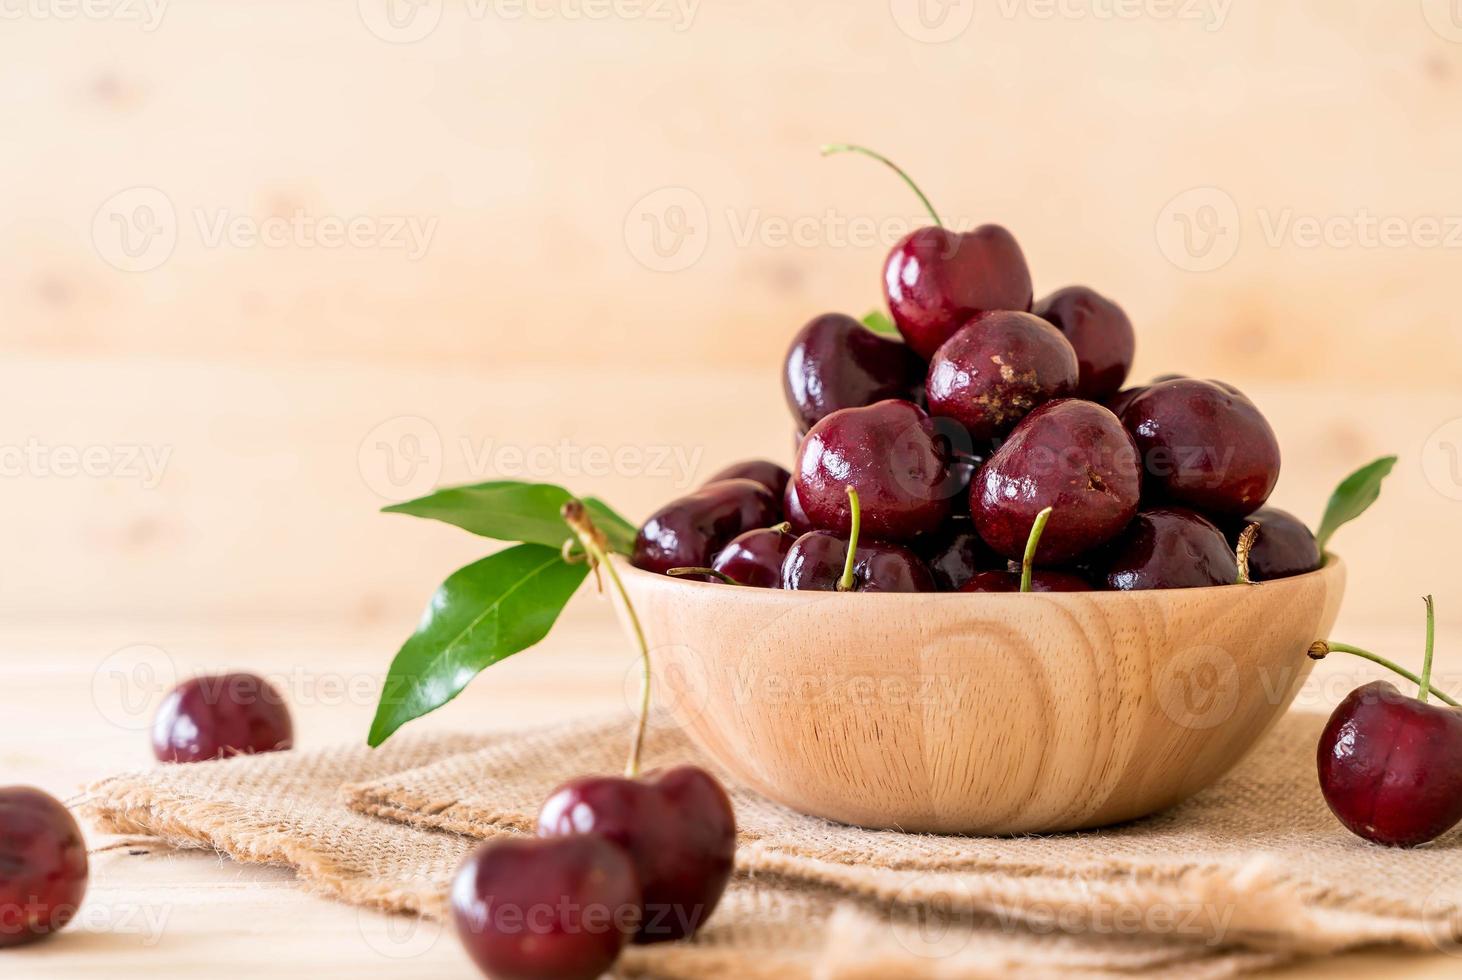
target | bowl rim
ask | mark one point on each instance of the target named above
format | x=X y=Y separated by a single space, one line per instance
x=1331 y=566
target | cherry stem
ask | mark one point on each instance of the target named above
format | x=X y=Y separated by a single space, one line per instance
x=1424 y=687
x=1320 y=648
x=1246 y=545
x=693 y=570
x=1028 y=563
x=596 y=547
x=783 y=528
x=831 y=148
x=855 y=512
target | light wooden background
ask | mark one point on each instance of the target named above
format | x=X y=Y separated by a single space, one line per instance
x=627 y=219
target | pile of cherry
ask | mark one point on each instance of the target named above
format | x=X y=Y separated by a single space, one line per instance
x=931 y=458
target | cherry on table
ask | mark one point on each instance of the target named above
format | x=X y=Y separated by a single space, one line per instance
x=1100 y=332
x=892 y=455
x=1169 y=548
x=1283 y=547
x=835 y=362
x=678 y=828
x=1204 y=445
x=43 y=866
x=765 y=472
x=998 y=367
x=1070 y=455
x=220 y=716
x=689 y=531
x=557 y=909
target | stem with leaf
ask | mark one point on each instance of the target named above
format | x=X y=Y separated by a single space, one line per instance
x=1028 y=561
x=1320 y=648
x=595 y=546
x=831 y=148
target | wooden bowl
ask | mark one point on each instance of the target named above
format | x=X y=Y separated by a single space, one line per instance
x=980 y=714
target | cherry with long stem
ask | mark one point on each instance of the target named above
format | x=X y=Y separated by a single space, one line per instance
x=831 y=148
x=1321 y=648
x=1028 y=560
x=596 y=548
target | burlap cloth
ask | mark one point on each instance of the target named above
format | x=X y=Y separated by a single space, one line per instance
x=1250 y=874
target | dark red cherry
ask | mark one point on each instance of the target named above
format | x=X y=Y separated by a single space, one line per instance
x=1204 y=445
x=818 y=559
x=1391 y=766
x=792 y=509
x=678 y=827
x=1041 y=581
x=996 y=369
x=43 y=866
x=557 y=909
x=755 y=558
x=1169 y=548
x=954 y=553
x=221 y=716
x=1100 y=332
x=768 y=474
x=1069 y=455
x=689 y=531
x=1283 y=547
x=891 y=454
x=1118 y=403
x=937 y=280
x=835 y=362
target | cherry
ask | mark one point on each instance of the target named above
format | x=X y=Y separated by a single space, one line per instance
x=1169 y=548
x=1283 y=546
x=1204 y=445
x=792 y=509
x=43 y=866
x=1390 y=766
x=1028 y=579
x=1099 y=331
x=892 y=455
x=936 y=280
x=835 y=362
x=996 y=369
x=221 y=716
x=954 y=553
x=678 y=828
x=546 y=909
x=1068 y=454
x=755 y=557
x=821 y=561
x=768 y=474
x=689 y=531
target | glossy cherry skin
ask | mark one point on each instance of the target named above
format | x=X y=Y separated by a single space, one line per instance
x=755 y=558
x=221 y=716
x=557 y=909
x=1041 y=581
x=767 y=473
x=690 y=531
x=679 y=829
x=996 y=369
x=1204 y=445
x=815 y=564
x=891 y=454
x=954 y=553
x=936 y=280
x=792 y=511
x=1072 y=456
x=1100 y=332
x=1391 y=766
x=43 y=866
x=1169 y=548
x=1283 y=547
x=835 y=362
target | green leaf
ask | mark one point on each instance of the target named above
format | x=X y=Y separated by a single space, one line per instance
x=482 y=614
x=878 y=322
x=510 y=510
x=1355 y=493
